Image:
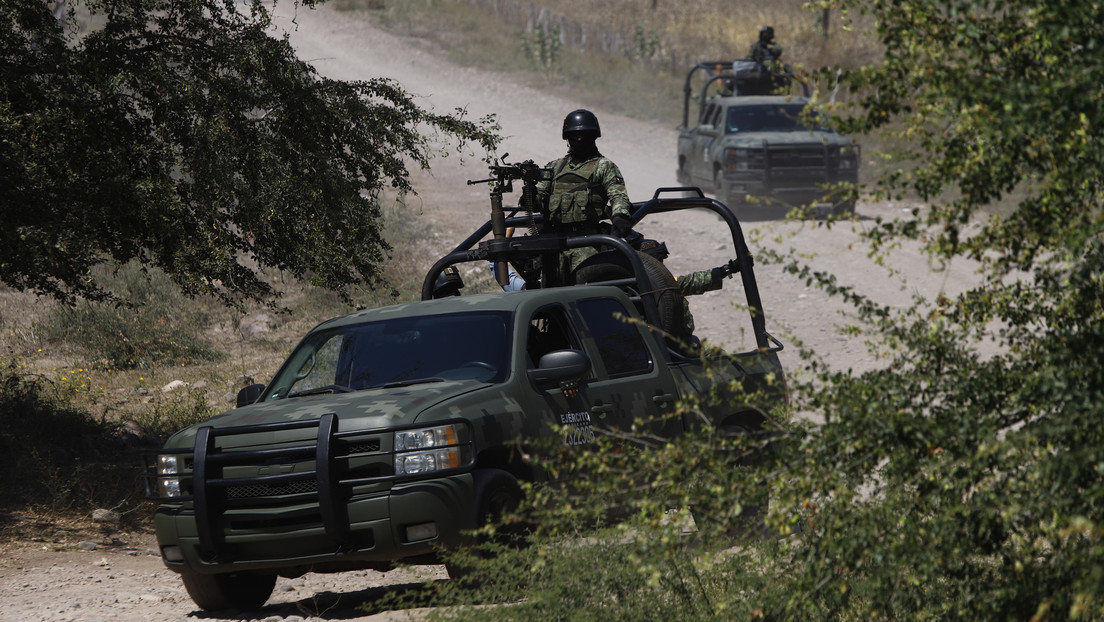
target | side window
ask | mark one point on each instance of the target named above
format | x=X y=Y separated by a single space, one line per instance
x=318 y=367
x=619 y=342
x=715 y=116
x=707 y=114
x=549 y=330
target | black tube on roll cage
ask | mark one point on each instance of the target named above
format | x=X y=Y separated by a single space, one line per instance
x=657 y=205
x=488 y=250
x=494 y=250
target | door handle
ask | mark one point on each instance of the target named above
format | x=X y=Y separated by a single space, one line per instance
x=663 y=398
x=601 y=409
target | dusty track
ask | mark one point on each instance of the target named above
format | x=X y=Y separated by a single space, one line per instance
x=126 y=580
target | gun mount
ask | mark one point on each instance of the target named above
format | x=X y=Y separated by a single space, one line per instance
x=503 y=177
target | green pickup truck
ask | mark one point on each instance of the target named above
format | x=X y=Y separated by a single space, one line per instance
x=756 y=145
x=387 y=433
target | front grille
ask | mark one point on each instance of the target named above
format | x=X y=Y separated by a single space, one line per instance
x=805 y=157
x=362 y=446
x=271 y=490
x=237 y=479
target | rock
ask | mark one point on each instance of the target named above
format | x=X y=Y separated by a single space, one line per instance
x=105 y=516
x=130 y=431
x=255 y=327
x=172 y=386
x=87 y=546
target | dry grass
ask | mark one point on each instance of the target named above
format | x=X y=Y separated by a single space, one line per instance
x=78 y=376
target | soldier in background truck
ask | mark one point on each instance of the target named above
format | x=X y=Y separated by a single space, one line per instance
x=760 y=148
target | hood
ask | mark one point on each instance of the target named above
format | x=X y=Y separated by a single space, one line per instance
x=358 y=410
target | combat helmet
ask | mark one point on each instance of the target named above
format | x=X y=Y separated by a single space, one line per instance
x=581 y=121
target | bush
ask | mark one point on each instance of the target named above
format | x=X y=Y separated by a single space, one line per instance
x=57 y=457
x=162 y=327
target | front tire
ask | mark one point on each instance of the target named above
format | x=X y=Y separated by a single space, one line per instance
x=719 y=189
x=213 y=592
x=497 y=493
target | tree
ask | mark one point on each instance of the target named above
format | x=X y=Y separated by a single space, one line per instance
x=184 y=136
x=957 y=482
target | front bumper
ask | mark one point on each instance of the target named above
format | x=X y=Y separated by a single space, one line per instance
x=379 y=532
x=785 y=192
x=296 y=496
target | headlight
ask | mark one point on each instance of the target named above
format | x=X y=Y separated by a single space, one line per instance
x=428 y=450
x=427 y=461
x=166 y=465
x=425 y=438
x=849 y=157
x=167 y=486
x=738 y=159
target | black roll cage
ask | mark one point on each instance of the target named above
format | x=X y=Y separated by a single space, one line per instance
x=506 y=249
x=717 y=72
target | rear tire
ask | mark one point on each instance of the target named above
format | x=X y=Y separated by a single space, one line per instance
x=750 y=523
x=612 y=265
x=213 y=592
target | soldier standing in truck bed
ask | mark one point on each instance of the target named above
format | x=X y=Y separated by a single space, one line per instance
x=586 y=188
x=765 y=50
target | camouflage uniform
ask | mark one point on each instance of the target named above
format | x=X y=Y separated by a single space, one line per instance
x=690 y=285
x=765 y=53
x=580 y=195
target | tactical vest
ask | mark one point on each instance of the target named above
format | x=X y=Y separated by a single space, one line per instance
x=576 y=196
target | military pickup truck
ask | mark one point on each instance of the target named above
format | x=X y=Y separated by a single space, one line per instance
x=754 y=144
x=389 y=433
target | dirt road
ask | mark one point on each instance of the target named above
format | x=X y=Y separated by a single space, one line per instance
x=126 y=580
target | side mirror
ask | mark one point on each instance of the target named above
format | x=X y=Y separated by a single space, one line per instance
x=558 y=366
x=249 y=394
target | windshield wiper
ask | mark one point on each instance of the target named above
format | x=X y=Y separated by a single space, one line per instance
x=407 y=383
x=329 y=388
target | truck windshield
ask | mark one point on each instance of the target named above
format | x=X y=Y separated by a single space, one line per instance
x=770 y=118
x=397 y=352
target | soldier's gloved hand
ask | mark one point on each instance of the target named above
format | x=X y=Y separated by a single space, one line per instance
x=720 y=272
x=716 y=277
x=622 y=226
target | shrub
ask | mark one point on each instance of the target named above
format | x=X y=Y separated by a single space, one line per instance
x=55 y=456
x=162 y=327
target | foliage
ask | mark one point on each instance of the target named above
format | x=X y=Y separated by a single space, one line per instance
x=642 y=46
x=995 y=98
x=56 y=456
x=962 y=480
x=169 y=415
x=159 y=327
x=628 y=502
x=542 y=46
x=187 y=137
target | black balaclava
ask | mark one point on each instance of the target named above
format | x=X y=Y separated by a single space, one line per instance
x=580 y=145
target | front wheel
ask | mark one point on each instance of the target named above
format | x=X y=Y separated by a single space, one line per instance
x=213 y=592
x=497 y=493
